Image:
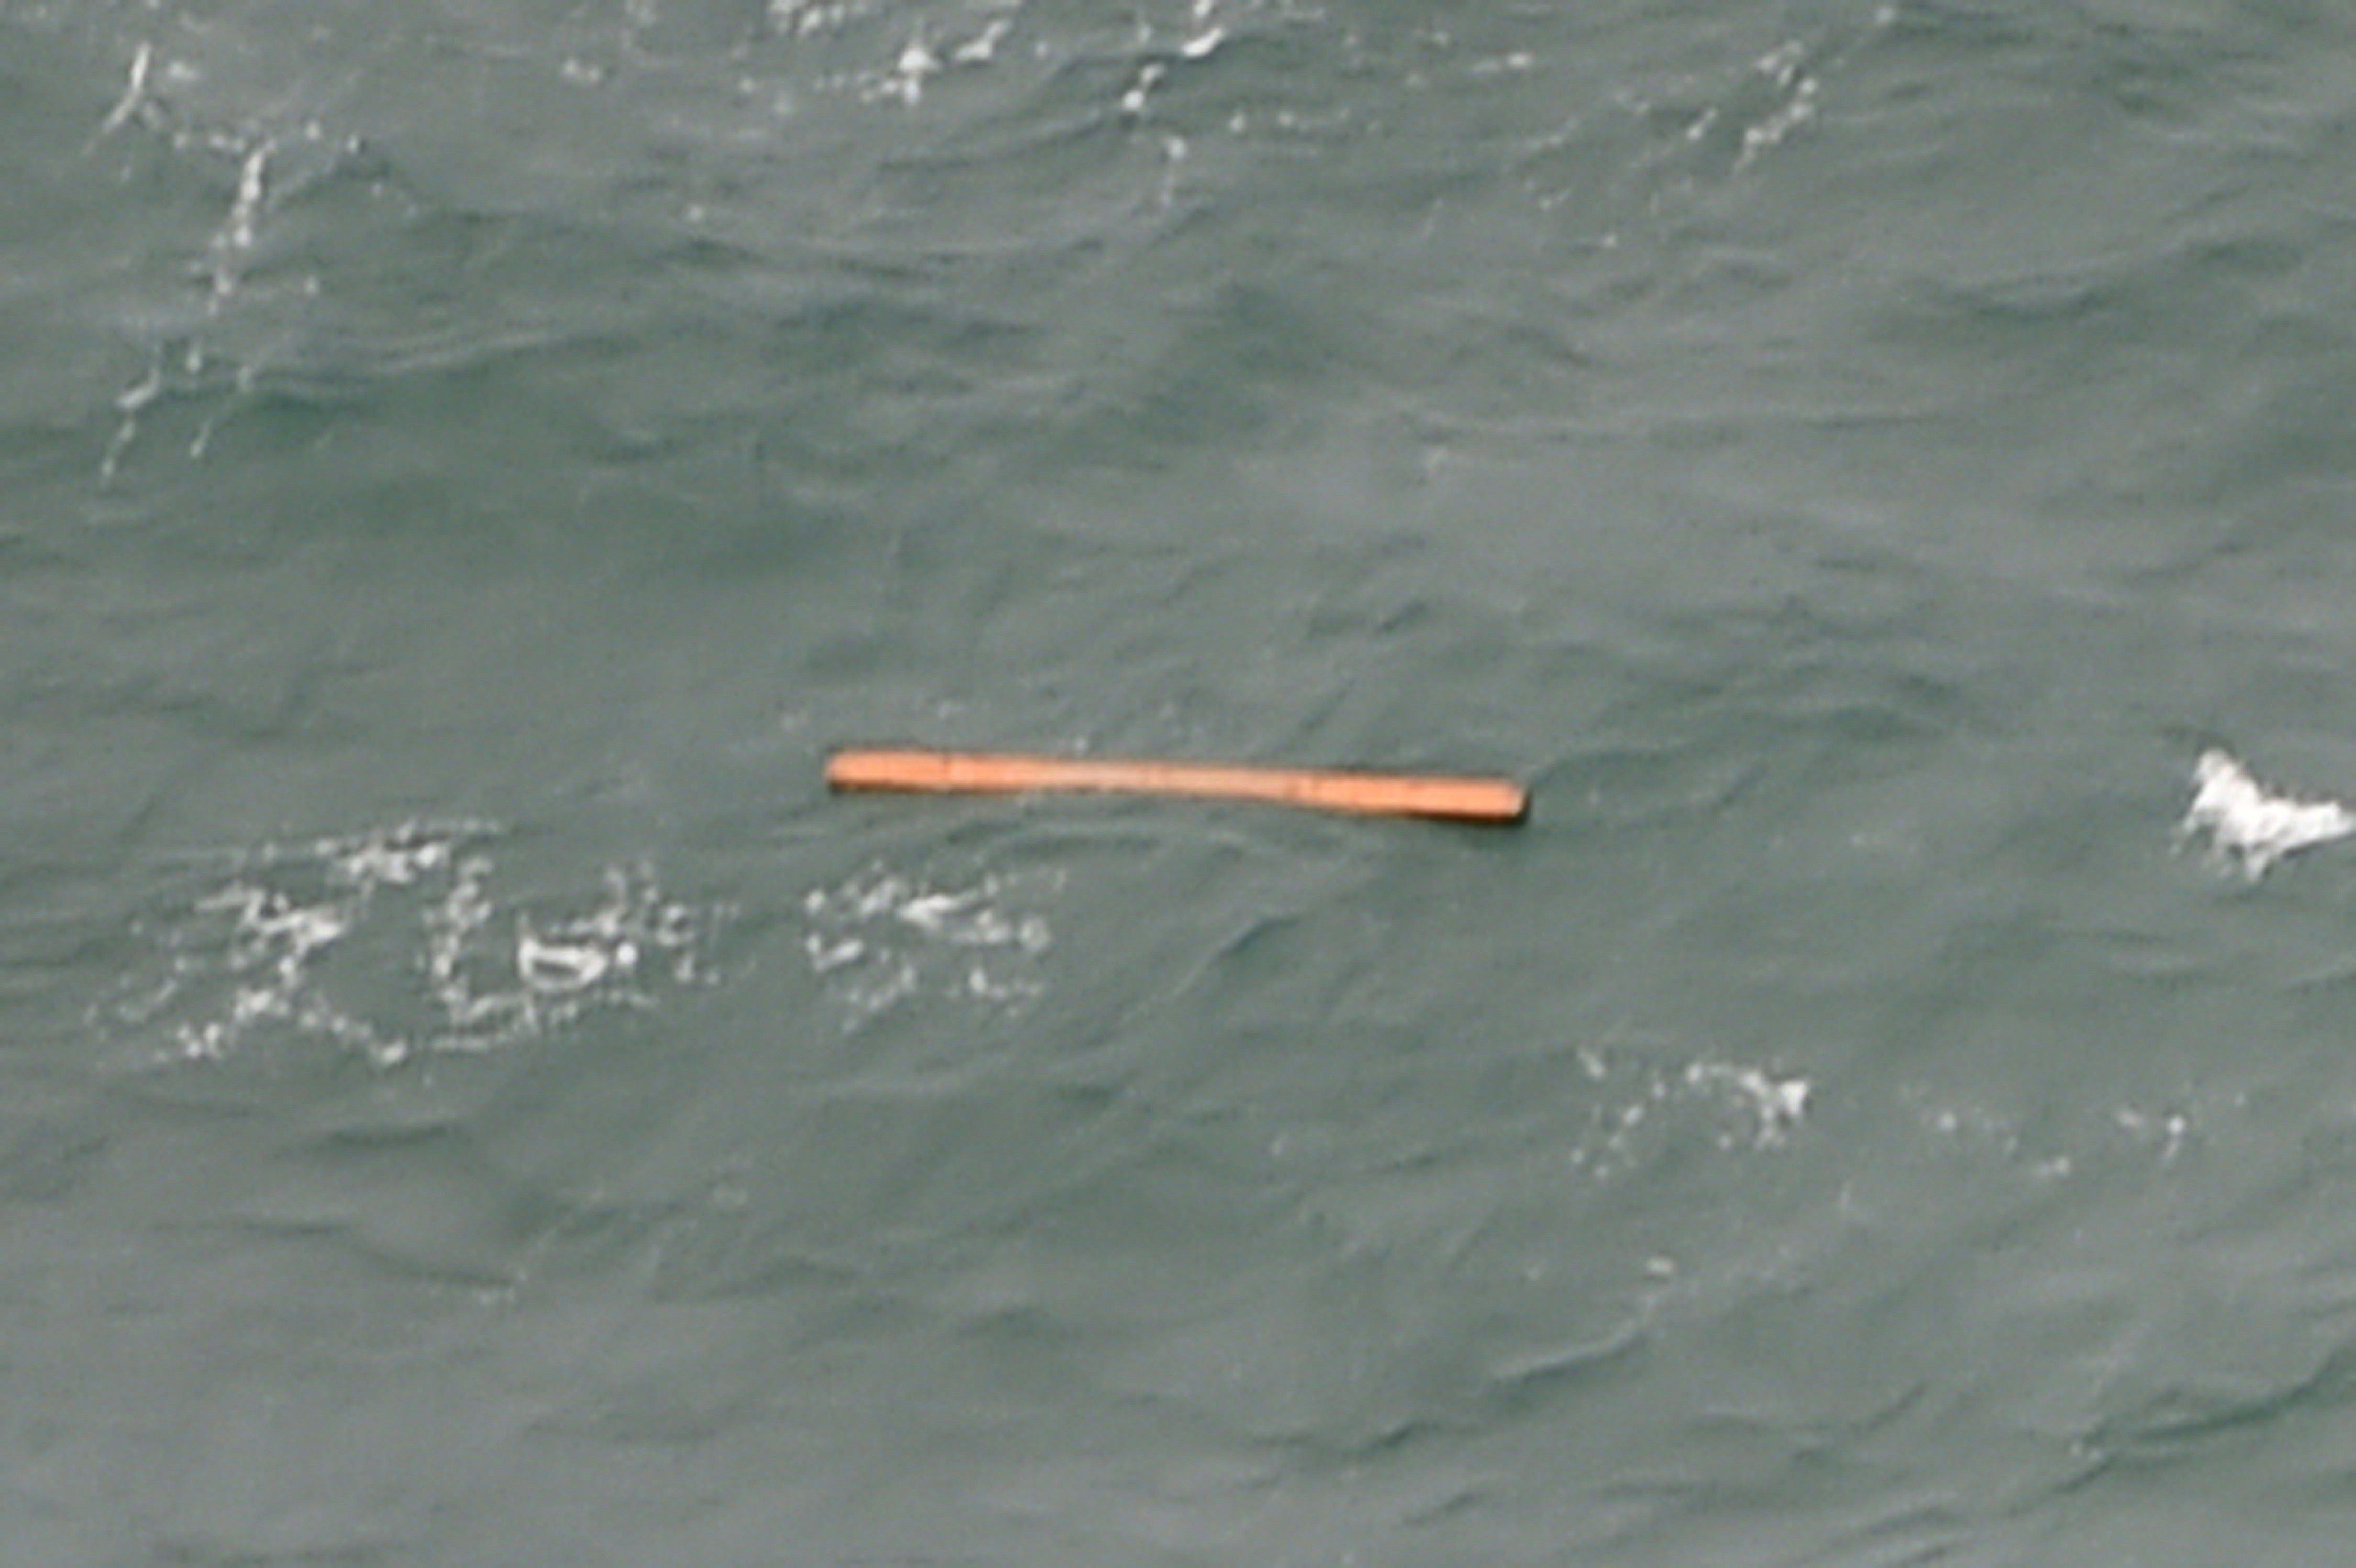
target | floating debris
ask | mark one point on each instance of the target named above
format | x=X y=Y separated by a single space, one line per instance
x=2244 y=821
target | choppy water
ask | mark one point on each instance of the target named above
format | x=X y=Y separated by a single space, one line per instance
x=467 y=1095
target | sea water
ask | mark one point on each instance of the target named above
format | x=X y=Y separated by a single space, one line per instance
x=1878 y=471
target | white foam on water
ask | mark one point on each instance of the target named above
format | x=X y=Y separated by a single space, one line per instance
x=271 y=156
x=2165 y=1131
x=1767 y=1107
x=1738 y=1106
x=135 y=91
x=392 y=942
x=882 y=937
x=1793 y=101
x=2244 y=821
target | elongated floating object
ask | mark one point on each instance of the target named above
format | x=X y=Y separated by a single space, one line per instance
x=1500 y=802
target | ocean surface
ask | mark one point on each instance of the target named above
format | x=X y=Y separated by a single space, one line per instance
x=469 y=1095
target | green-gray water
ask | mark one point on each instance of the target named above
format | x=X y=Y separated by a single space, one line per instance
x=469 y=1096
